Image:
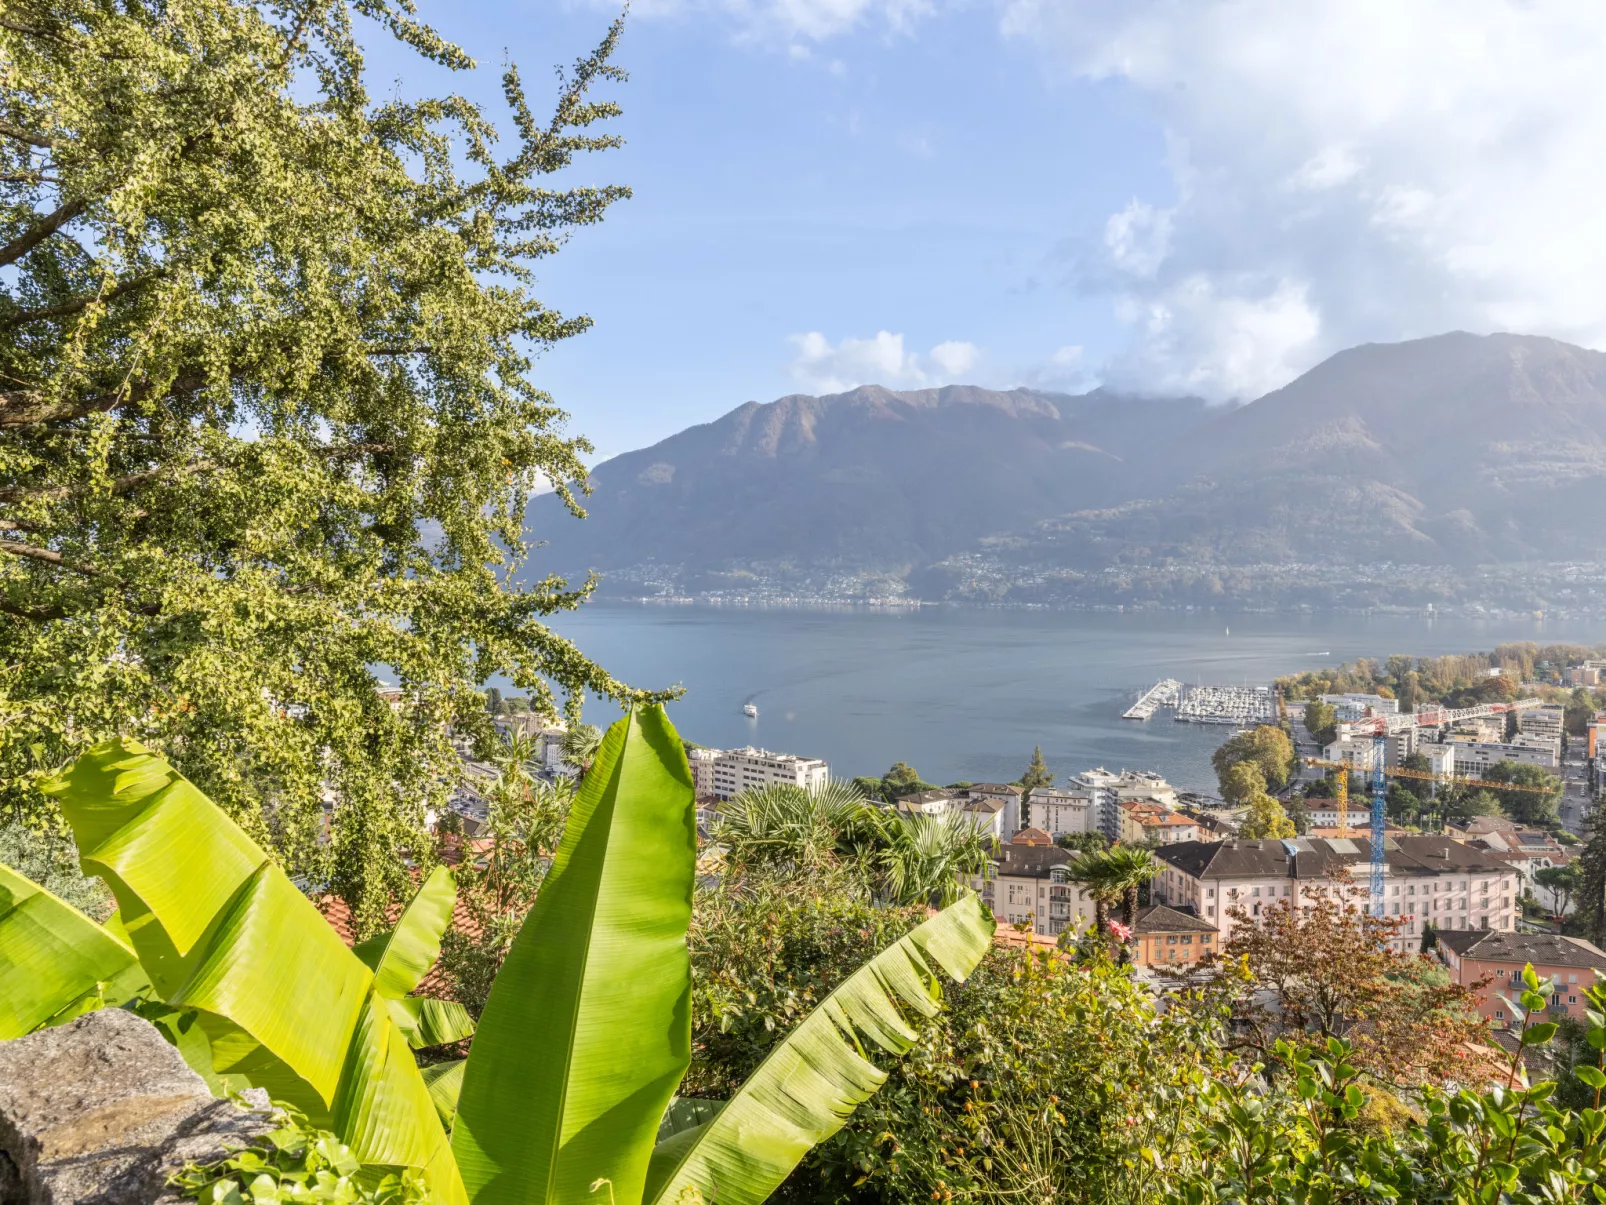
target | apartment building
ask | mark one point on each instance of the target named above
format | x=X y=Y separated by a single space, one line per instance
x=1545 y=723
x=1110 y=790
x=1570 y=963
x=1059 y=810
x=987 y=813
x=1426 y=879
x=726 y=772
x=1028 y=883
x=1164 y=937
x=1473 y=757
x=1351 y=707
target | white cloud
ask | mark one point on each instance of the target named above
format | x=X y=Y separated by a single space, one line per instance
x=1344 y=170
x=879 y=360
x=953 y=358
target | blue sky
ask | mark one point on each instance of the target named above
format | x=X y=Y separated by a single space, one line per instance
x=1207 y=196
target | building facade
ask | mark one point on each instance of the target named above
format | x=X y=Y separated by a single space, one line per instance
x=1427 y=880
x=1570 y=963
x=726 y=772
x=1060 y=810
x=1164 y=937
x=1028 y=883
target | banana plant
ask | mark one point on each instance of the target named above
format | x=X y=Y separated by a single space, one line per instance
x=568 y=1092
x=222 y=933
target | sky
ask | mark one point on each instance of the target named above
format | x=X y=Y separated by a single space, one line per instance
x=1161 y=196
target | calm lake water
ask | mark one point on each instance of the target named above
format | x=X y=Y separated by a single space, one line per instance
x=966 y=694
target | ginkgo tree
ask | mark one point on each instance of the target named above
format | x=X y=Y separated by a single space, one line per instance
x=568 y=1093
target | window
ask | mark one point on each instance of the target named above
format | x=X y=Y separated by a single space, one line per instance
x=1499 y=1014
x=1257 y=893
x=1171 y=939
x=1572 y=999
x=1204 y=939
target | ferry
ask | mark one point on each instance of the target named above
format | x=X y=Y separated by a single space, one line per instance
x=750 y=711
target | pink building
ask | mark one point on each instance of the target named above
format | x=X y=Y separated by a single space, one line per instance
x=1570 y=963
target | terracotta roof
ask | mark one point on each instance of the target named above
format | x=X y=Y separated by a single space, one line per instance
x=993 y=788
x=338 y=914
x=1316 y=857
x=1031 y=836
x=1543 y=949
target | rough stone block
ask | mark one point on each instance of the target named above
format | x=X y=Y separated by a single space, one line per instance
x=102 y=1110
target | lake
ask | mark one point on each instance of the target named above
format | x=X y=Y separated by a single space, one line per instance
x=966 y=694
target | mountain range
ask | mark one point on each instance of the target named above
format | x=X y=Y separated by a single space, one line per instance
x=1452 y=452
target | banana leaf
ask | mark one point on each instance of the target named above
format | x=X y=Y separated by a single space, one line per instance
x=425 y=1022
x=220 y=930
x=587 y=1031
x=55 y=963
x=808 y=1085
x=445 y=1083
x=401 y=958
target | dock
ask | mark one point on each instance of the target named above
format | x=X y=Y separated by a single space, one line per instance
x=1164 y=693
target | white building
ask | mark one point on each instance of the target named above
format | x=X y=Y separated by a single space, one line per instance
x=1427 y=880
x=1030 y=884
x=1472 y=758
x=726 y=772
x=1545 y=723
x=1111 y=790
x=1358 y=706
x=1058 y=810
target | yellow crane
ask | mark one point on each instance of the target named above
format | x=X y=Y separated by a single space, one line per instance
x=1341 y=785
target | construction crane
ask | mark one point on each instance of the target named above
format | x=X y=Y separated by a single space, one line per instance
x=1379 y=772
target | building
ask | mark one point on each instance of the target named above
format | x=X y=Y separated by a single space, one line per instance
x=1426 y=879
x=1545 y=723
x=1007 y=794
x=1058 y=810
x=1028 y=883
x=726 y=772
x=1474 y=757
x=1151 y=824
x=1352 y=707
x=1164 y=937
x=1129 y=786
x=1570 y=963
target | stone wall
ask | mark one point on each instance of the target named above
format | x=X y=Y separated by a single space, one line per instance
x=102 y=1110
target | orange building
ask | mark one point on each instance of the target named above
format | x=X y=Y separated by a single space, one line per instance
x=1570 y=963
x=1163 y=936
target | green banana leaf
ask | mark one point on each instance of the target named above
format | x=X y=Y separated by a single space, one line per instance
x=587 y=1031
x=55 y=963
x=220 y=930
x=401 y=958
x=425 y=1022
x=805 y=1089
x=445 y=1083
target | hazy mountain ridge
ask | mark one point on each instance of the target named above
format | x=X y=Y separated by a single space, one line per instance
x=1458 y=450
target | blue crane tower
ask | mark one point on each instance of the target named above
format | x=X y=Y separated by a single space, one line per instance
x=1380 y=743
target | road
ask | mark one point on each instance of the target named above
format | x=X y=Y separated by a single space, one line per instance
x=1576 y=800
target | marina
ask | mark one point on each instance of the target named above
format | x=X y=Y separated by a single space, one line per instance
x=1164 y=693
x=1236 y=705
x=1240 y=706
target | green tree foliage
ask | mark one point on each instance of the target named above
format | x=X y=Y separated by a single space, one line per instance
x=1265 y=747
x=1562 y=882
x=1298 y=813
x=1321 y=721
x=1527 y=807
x=1459 y=802
x=1037 y=774
x=1265 y=818
x=1591 y=897
x=267 y=418
x=902 y=779
x=1242 y=781
x=1090 y=843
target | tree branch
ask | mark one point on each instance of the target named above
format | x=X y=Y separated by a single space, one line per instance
x=41 y=230
x=119 y=485
x=32 y=553
x=10 y=131
x=65 y=309
x=23 y=409
x=35 y=614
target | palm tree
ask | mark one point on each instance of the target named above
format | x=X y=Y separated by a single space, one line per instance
x=925 y=857
x=1103 y=880
x=580 y=745
x=787 y=825
x=1134 y=866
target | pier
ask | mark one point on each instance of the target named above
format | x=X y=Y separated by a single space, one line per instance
x=1164 y=693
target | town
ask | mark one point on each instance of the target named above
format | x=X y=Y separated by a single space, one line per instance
x=1486 y=893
